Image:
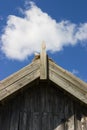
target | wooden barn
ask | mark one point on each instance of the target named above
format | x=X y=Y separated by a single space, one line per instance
x=43 y=96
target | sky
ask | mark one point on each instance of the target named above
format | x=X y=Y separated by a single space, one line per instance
x=25 y=24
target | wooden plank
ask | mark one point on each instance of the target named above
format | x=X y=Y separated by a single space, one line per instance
x=43 y=62
x=69 y=114
x=14 y=122
x=5 y=118
x=21 y=73
x=19 y=84
x=80 y=117
x=68 y=76
x=59 y=107
x=44 y=121
x=36 y=121
x=41 y=107
x=22 y=121
x=58 y=125
x=50 y=121
x=67 y=85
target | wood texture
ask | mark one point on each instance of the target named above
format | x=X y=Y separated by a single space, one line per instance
x=68 y=82
x=43 y=62
x=42 y=107
x=45 y=69
x=19 y=80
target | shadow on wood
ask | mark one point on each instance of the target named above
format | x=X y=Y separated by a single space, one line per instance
x=42 y=107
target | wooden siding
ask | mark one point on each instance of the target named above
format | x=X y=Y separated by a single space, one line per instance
x=42 y=107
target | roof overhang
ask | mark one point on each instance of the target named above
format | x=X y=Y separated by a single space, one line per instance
x=45 y=69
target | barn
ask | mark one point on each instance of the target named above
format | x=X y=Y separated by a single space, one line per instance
x=43 y=96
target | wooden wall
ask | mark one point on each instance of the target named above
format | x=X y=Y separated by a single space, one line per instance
x=42 y=107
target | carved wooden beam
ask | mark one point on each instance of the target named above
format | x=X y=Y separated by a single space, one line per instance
x=43 y=62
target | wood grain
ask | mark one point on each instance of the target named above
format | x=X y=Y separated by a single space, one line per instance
x=42 y=107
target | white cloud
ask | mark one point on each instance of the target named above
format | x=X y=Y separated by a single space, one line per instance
x=24 y=35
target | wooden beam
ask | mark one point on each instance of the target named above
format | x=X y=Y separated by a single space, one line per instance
x=78 y=90
x=20 y=79
x=43 y=62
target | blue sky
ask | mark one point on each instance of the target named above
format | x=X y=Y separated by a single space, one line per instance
x=61 y=24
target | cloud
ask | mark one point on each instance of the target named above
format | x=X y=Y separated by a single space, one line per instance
x=23 y=36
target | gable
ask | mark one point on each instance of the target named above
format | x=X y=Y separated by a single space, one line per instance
x=68 y=82
x=45 y=69
x=20 y=79
x=42 y=106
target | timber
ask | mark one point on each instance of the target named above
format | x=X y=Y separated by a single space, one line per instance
x=61 y=78
x=19 y=79
x=43 y=62
x=43 y=96
x=42 y=107
x=44 y=68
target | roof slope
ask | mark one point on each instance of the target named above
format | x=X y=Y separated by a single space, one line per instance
x=68 y=81
x=19 y=79
x=44 y=69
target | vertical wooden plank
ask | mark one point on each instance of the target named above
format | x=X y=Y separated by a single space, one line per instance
x=58 y=123
x=43 y=62
x=80 y=117
x=14 y=121
x=15 y=106
x=29 y=121
x=49 y=99
x=42 y=99
x=36 y=121
x=44 y=121
x=22 y=121
x=50 y=121
x=5 y=118
x=69 y=114
x=58 y=110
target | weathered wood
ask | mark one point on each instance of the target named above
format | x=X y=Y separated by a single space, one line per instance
x=69 y=114
x=43 y=62
x=41 y=107
x=68 y=76
x=19 y=84
x=80 y=117
x=62 y=81
x=39 y=69
x=20 y=74
x=14 y=118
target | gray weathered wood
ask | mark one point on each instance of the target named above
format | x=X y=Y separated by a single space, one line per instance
x=19 y=80
x=80 y=117
x=41 y=107
x=43 y=62
x=39 y=68
x=20 y=74
x=68 y=76
x=69 y=114
x=60 y=78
